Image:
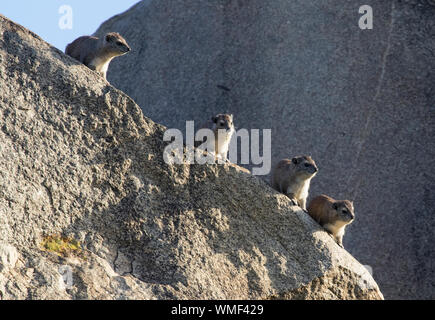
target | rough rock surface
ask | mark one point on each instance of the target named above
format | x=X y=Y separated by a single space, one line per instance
x=79 y=159
x=360 y=102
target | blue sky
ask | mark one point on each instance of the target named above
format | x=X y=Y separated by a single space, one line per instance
x=42 y=17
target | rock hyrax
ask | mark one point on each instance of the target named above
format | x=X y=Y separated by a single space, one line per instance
x=293 y=177
x=222 y=126
x=97 y=53
x=333 y=215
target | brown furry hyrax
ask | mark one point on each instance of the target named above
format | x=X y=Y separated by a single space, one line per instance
x=222 y=126
x=293 y=177
x=333 y=215
x=97 y=53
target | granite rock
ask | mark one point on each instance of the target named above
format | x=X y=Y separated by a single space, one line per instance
x=91 y=210
x=360 y=102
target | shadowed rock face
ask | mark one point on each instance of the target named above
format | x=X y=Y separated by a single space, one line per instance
x=360 y=102
x=79 y=159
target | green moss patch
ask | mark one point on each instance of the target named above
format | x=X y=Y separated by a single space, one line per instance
x=62 y=246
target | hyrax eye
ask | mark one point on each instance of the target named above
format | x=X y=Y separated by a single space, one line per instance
x=119 y=43
x=307 y=165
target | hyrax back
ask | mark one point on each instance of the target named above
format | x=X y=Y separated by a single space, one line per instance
x=293 y=177
x=97 y=53
x=332 y=214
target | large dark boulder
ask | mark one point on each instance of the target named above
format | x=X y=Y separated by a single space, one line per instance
x=361 y=102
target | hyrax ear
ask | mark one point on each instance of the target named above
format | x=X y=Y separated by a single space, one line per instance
x=335 y=206
x=107 y=37
x=214 y=119
x=295 y=160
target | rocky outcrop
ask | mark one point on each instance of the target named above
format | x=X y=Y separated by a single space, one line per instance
x=360 y=102
x=89 y=209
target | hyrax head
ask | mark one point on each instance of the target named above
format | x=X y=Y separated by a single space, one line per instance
x=223 y=121
x=344 y=210
x=116 y=43
x=305 y=165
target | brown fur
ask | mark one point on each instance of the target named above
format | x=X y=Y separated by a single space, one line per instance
x=293 y=177
x=97 y=53
x=332 y=214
